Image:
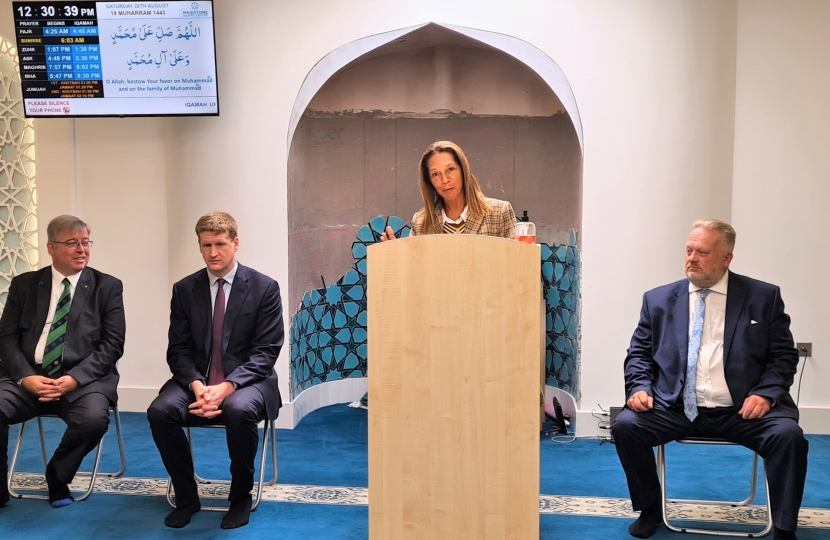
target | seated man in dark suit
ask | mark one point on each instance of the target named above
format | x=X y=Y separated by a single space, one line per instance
x=226 y=332
x=712 y=356
x=61 y=333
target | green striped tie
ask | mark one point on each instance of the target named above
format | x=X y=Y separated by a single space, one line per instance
x=53 y=352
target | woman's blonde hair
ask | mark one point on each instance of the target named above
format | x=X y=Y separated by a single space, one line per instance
x=476 y=204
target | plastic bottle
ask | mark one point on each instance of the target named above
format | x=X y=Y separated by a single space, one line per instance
x=525 y=230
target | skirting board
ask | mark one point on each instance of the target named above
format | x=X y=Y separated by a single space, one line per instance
x=316 y=397
x=814 y=421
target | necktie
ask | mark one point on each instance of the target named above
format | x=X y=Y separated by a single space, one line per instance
x=217 y=371
x=53 y=353
x=689 y=392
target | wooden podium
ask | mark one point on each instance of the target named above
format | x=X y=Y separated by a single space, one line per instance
x=453 y=339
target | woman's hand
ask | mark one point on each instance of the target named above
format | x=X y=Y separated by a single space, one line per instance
x=387 y=235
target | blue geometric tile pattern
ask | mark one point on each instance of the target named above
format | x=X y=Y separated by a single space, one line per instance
x=560 y=287
x=328 y=331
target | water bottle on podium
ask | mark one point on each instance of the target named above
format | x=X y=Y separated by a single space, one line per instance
x=525 y=229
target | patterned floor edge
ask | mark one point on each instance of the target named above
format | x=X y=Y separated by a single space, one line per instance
x=548 y=504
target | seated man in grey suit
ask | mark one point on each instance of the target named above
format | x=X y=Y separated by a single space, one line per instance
x=61 y=333
x=712 y=356
x=226 y=332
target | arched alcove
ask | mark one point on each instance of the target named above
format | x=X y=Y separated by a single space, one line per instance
x=18 y=219
x=361 y=122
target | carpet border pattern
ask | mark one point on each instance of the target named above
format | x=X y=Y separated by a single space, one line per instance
x=359 y=496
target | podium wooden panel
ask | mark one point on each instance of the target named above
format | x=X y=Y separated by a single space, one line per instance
x=453 y=338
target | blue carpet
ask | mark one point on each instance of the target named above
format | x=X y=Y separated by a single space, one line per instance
x=329 y=448
x=127 y=517
x=702 y=472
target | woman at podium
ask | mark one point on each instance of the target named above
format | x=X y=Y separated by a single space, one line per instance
x=453 y=201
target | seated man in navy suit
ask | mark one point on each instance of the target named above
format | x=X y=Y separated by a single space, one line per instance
x=226 y=332
x=712 y=356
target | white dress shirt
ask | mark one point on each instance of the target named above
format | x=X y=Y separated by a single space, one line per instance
x=711 y=388
x=57 y=289
x=461 y=219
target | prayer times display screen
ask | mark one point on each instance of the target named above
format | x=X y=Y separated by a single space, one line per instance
x=116 y=58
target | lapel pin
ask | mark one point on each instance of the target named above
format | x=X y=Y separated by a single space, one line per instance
x=39 y=283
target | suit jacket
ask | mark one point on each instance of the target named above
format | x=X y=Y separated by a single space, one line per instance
x=95 y=331
x=252 y=335
x=498 y=220
x=758 y=353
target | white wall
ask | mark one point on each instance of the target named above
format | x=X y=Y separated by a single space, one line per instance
x=781 y=187
x=122 y=198
x=655 y=85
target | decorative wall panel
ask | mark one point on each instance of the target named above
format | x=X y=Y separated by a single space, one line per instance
x=18 y=219
x=328 y=331
x=560 y=286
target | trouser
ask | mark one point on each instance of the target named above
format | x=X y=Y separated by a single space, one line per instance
x=241 y=413
x=779 y=440
x=86 y=417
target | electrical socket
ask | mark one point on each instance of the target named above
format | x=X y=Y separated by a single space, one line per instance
x=804 y=349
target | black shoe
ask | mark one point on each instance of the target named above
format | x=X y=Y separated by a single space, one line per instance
x=59 y=494
x=238 y=514
x=785 y=535
x=646 y=524
x=180 y=517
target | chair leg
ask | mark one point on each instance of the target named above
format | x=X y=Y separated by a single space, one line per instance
x=269 y=433
x=753 y=483
x=13 y=464
x=12 y=468
x=42 y=442
x=661 y=468
x=769 y=527
x=170 y=499
x=121 y=453
x=94 y=473
x=273 y=479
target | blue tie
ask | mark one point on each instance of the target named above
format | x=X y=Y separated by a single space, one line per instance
x=689 y=393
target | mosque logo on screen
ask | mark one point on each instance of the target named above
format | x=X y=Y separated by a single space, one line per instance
x=195 y=11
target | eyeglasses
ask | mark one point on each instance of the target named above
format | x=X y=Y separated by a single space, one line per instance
x=72 y=244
